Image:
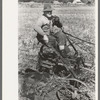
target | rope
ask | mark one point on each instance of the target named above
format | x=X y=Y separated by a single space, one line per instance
x=78 y=38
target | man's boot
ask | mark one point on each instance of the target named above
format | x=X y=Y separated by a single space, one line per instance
x=65 y=52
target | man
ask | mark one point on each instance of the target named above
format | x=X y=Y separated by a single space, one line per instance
x=49 y=30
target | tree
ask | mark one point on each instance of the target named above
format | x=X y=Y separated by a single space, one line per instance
x=24 y=0
x=88 y=1
x=65 y=1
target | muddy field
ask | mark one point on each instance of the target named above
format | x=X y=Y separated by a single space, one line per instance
x=78 y=21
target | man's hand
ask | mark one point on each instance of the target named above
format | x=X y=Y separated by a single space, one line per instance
x=45 y=38
x=62 y=29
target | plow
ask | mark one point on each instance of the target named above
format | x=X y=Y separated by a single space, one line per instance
x=59 y=78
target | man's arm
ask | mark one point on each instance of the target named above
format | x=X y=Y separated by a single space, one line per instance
x=56 y=21
x=39 y=30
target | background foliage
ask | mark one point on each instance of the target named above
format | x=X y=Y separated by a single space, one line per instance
x=51 y=1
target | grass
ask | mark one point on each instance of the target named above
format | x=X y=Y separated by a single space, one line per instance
x=78 y=21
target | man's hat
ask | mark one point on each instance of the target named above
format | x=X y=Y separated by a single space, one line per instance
x=47 y=7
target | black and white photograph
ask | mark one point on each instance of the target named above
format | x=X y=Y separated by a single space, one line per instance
x=57 y=50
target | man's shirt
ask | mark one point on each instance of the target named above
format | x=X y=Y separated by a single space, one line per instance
x=47 y=25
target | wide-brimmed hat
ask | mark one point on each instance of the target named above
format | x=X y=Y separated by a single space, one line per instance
x=47 y=7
